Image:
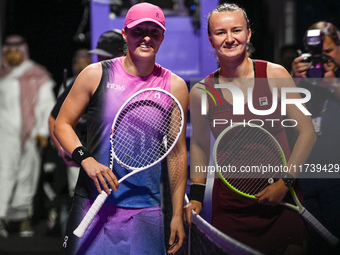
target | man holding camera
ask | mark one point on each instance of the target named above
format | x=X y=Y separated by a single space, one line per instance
x=319 y=72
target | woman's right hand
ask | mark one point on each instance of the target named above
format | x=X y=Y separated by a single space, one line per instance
x=101 y=175
x=192 y=205
x=299 y=69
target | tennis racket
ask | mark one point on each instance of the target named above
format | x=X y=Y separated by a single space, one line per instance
x=144 y=131
x=241 y=153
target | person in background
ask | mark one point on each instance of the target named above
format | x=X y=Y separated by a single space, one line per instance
x=26 y=96
x=322 y=190
x=130 y=221
x=110 y=45
x=81 y=58
x=259 y=223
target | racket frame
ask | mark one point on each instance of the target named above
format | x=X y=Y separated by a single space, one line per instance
x=305 y=214
x=219 y=138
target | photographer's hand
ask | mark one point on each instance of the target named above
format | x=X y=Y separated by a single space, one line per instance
x=330 y=68
x=299 y=68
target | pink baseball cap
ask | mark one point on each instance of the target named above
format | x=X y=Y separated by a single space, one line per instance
x=142 y=12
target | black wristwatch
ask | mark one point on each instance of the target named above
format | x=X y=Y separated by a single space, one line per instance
x=288 y=179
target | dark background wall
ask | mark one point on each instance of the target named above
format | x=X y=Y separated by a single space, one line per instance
x=311 y=11
x=50 y=26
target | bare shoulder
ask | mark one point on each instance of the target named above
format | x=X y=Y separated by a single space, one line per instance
x=276 y=71
x=177 y=83
x=279 y=76
x=91 y=70
x=200 y=84
x=179 y=88
x=197 y=90
x=89 y=77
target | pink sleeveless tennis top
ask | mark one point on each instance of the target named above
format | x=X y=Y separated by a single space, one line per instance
x=116 y=86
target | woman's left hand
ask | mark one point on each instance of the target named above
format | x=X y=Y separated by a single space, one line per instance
x=273 y=194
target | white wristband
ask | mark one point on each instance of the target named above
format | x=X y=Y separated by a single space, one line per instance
x=195 y=183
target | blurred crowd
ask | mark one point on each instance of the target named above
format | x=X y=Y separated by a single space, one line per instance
x=36 y=177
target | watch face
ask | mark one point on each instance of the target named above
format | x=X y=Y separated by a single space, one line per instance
x=288 y=179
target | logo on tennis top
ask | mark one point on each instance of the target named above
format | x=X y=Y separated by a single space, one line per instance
x=263 y=101
x=115 y=86
x=157 y=94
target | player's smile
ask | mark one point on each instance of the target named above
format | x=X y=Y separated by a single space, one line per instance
x=146 y=37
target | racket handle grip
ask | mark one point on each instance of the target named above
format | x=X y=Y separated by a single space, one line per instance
x=95 y=207
x=328 y=236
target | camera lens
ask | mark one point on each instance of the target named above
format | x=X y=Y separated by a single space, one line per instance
x=315 y=68
x=315 y=72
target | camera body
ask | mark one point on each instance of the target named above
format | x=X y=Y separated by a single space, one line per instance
x=315 y=57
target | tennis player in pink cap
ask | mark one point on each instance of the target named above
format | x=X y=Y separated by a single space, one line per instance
x=130 y=221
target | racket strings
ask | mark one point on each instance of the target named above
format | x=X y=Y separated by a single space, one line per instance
x=252 y=148
x=242 y=153
x=257 y=179
x=145 y=140
x=146 y=130
x=262 y=143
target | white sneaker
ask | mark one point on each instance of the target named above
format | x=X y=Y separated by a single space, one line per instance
x=26 y=228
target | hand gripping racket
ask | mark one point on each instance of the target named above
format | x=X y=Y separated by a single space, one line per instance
x=144 y=131
x=243 y=154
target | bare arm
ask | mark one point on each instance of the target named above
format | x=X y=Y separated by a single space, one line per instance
x=61 y=152
x=70 y=112
x=178 y=164
x=199 y=146
x=306 y=137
